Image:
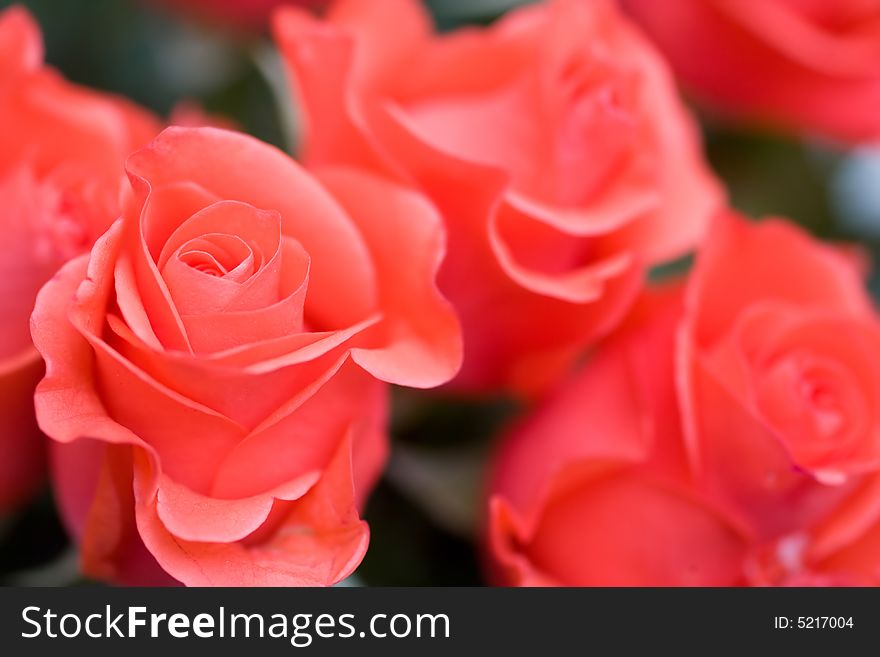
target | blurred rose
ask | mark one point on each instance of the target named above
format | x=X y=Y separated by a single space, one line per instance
x=213 y=368
x=593 y=489
x=553 y=143
x=729 y=438
x=62 y=148
x=780 y=355
x=248 y=14
x=807 y=65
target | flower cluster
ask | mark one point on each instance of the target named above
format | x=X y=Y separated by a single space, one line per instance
x=201 y=333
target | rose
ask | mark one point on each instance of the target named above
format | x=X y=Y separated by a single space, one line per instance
x=592 y=488
x=61 y=153
x=214 y=367
x=726 y=439
x=553 y=144
x=807 y=65
x=780 y=355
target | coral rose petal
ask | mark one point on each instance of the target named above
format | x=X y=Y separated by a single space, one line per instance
x=267 y=179
x=408 y=246
x=378 y=51
x=21 y=46
x=199 y=518
x=605 y=400
x=67 y=406
x=595 y=536
x=320 y=541
x=93 y=484
x=322 y=61
x=324 y=407
x=784 y=266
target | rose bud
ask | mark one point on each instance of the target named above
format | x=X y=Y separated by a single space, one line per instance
x=553 y=143
x=808 y=66
x=62 y=149
x=216 y=366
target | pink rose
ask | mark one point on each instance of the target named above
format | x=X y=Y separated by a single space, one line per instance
x=806 y=65
x=214 y=367
x=728 y=435
x=553 y=143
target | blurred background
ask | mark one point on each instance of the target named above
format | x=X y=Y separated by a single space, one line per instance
x=424 y=513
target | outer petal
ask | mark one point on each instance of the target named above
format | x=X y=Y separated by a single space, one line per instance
x=67 y=404
x=319 y=64
x=379 y=53
x=247 y=385
x=857 y=562
x=624 y=531
x=785 y=264
x=25 y=261
x=93 y=488
x=21 y=46
x=508 y=533
x=598 y=417
x=758 y=61
x=566 y=272
x=302 y=434
x=319 y=542
x=690 y=193
x=421 y=345
x=855 y=517
x=199 y=518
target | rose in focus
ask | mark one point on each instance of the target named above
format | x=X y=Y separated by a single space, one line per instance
x=808 y=66
x=215 y=367
x=62 y=149
x=727 y=436
x=553 y=143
